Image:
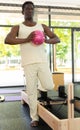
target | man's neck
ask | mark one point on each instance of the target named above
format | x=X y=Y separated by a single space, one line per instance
x=29 y=23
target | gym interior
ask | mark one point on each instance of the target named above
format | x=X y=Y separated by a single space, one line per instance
x=62 y=17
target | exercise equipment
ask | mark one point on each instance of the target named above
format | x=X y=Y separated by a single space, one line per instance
x=61 y=91
x=54 y=122
x=2 y=98
x=38 y=37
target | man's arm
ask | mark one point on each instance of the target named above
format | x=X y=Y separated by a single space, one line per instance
x=12 y=38
x=52 y=37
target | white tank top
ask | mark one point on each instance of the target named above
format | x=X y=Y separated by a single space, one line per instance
x=31 y=53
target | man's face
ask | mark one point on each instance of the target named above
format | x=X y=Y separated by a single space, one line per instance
x=28 y=11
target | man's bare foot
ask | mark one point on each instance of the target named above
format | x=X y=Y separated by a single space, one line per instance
x=34 y=123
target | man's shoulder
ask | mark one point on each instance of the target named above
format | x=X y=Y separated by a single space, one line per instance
x=16 y=26
x=44 y=25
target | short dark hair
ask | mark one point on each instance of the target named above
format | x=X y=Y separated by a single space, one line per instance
x=27 y=2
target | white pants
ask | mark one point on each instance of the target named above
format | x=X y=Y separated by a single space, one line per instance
x=33 y=73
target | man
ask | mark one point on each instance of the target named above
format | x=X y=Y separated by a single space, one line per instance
x=34 y=59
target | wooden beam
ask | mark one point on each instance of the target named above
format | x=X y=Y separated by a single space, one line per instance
x=54 y=122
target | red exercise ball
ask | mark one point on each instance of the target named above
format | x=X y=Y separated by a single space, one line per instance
x=38 y=37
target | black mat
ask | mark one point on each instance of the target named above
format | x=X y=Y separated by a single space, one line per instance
x=61 y=111
x=15 y=116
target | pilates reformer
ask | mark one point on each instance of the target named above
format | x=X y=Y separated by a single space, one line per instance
x=53 y=121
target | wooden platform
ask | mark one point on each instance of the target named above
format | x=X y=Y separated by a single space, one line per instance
x=58 y=79
x=54 y=122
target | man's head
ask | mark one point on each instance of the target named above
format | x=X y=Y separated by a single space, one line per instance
x=28 y=9
x=26 y=3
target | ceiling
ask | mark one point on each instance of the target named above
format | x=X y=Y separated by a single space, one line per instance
x=61 y=9
x=62 y=3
